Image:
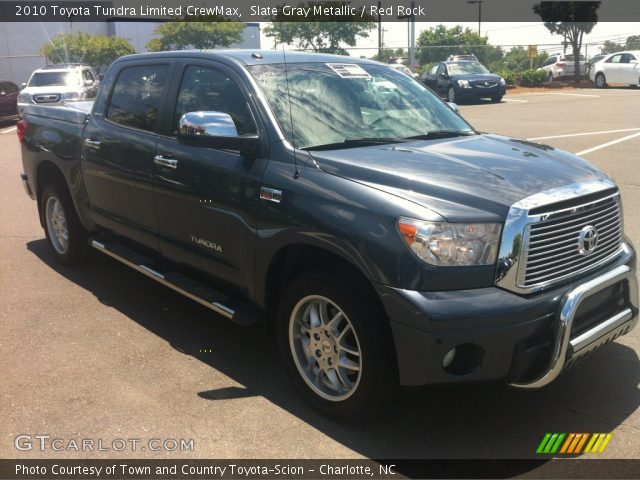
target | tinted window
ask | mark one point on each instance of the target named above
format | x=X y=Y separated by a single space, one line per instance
x=54 y=79
x=433 y=70
x=137 y=96
x=205 y=89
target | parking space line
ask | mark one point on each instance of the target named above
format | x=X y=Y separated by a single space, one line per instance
x=564 y=94
x=586 y=133
x=608 y=144
x=514 y=100
x=9 y=130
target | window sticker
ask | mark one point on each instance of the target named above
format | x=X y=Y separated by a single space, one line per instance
x=349 y=70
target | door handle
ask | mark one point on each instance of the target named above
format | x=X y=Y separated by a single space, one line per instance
x=92 y=143
x=165 y=162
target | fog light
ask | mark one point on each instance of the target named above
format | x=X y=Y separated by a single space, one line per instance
x=448 y=358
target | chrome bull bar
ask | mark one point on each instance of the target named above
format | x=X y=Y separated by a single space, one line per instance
x=603 y=332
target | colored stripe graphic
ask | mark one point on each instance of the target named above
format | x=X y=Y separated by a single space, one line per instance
x=573 y=443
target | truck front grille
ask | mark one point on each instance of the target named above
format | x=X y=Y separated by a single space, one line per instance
x=569 y=240
x=47 y=98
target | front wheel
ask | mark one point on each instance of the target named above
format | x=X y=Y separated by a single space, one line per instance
x=451 y=95
x=601 y=81
x=496 y=99
x=336 y=344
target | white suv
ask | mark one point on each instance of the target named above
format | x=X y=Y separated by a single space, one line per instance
x=53 y=85
x=558 y=66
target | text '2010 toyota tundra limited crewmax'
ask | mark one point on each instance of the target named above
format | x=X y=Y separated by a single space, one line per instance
x=381 y=238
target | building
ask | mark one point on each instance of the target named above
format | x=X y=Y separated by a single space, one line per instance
x=20 y=42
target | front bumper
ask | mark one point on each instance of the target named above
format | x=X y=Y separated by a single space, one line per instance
x=526 y=341
x=479 y=92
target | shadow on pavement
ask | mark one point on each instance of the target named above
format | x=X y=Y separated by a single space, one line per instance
x=473 y=421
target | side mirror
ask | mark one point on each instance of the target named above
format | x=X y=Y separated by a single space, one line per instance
x=215 y=130
x=633 y=62
x=88 y=83
x=23 y=85
x=454 y=107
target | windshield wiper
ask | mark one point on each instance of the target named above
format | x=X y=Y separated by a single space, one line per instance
x=357 y=142
x=441 y=134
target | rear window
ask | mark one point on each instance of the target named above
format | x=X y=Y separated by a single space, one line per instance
x=137 y=96
x=54 y=79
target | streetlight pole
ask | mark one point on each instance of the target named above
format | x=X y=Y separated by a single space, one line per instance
x=479 y=2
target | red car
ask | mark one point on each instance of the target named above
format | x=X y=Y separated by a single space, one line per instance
x=8 y=99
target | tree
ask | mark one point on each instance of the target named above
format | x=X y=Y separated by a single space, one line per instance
x=612 y=47
x=633 y=43
x=318 y=32
x=94 y=50
x=389 y=53
x=571 y=20
x=209 y=32
x=437 y=43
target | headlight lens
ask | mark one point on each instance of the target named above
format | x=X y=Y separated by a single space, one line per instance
x=452 y=244
x=464 y=83
x=24 y=97
x=70 y=96
x=502 y=82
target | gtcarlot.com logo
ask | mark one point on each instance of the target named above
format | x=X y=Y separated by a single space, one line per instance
x=45 y=442
x=573 y=443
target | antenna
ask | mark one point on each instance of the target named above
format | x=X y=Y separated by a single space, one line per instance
x=296 y=173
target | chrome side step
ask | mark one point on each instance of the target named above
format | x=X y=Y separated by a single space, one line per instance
x=176 y=281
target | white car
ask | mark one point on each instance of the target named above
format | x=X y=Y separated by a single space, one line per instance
x=619 y=67
x=557 y=66
x=53 y=85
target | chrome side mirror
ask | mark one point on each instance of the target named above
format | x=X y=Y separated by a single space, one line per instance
x=88 y=83
x=23 y=85
x=215 y=130
x=454 y=107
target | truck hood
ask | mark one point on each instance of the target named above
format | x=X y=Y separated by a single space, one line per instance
x=52 y=89
x=465 y=178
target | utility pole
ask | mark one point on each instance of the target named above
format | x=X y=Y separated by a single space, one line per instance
x=411 y=34
x=379 y=32
x=479 y=2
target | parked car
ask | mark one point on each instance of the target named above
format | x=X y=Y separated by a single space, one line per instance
x=8 y=100
x=593 y=60
x=457 y=58
x=380 y=237
x=620 y=67
x=558 y=66
x=463 y=80
x=402 y=68
x=55 y=84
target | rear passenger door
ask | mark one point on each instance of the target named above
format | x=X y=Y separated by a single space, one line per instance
x=612 y=70
x=206 y=198
x=118 y=150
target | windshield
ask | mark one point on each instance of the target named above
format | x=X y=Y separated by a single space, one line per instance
x=466 y=68
x=337 y=102
x=54 y=79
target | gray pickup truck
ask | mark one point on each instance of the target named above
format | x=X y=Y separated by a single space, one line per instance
x=379 y=237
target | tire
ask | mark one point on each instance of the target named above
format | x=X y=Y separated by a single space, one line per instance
x=601 y=80
x=497 y=99
x=353 y=334
x=65 y=234
x=451 y=95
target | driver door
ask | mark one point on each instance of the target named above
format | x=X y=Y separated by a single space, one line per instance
x=205 y=197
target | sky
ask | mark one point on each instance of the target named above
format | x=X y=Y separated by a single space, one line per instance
x=499 y=33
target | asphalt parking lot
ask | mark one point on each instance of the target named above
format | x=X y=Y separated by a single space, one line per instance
x=102 y=352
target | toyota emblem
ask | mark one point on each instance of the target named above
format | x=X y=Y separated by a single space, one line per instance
x=587 y=240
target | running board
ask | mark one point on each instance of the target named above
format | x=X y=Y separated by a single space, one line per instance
x=242 y=315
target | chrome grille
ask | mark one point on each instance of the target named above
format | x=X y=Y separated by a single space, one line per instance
x=552 y=246
x=484 y=84
x=47 y=98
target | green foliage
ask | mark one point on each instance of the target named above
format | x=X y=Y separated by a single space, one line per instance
x=633 y=43
x=571 y=20
x=210 y=32
x=517 y=60
x=94 y=50
x=318 y=32
x=532 y=78
x=612 y=47
x=455 y=41
x=388 y=54
x=510 y=77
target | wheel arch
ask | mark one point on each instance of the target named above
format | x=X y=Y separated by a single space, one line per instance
x=47 y=173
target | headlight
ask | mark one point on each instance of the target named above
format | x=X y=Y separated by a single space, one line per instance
x=451 y=244
x=502 y=82
x=70 y=96
x=24 y=97
x=464 y=83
